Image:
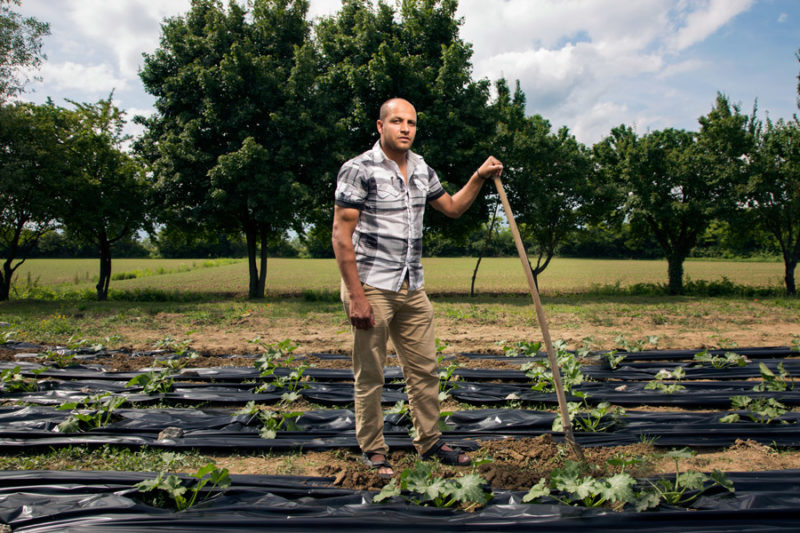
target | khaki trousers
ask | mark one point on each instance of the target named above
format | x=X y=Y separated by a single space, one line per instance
x=406 y=317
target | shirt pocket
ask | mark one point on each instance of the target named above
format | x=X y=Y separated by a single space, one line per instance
x=387 y=191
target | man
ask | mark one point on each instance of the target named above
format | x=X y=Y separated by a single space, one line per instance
x=377 y=239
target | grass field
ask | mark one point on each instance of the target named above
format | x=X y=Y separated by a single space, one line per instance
x=443 y=275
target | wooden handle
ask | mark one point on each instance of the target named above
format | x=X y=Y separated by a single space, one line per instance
x=551 y=354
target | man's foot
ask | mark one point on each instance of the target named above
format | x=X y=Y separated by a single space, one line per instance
x=447 y=454
x=379 y=463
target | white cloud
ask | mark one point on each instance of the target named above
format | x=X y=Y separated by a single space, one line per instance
x=703 y=22
x=92 y=79
x=680 y=68
x=783 y=17
x=124 y=29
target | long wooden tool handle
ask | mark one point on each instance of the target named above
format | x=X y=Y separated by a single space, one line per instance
x=551 y=354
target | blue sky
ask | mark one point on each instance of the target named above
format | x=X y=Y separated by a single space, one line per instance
x=589 y=65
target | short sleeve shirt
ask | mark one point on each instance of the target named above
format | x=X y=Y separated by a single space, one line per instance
x=388 y=236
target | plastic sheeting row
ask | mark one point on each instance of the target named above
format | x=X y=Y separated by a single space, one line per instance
x=27 y=427
x=628 y=394
x=88 y=502
x=625 y=372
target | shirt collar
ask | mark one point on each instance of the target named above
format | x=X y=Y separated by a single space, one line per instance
x=379 y=156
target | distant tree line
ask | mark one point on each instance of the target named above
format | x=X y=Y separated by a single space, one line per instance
x=256 y=108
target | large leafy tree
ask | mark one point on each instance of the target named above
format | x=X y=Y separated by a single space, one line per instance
x=20 y=47
x=369 y=53
x=773 y=190
x=232 y=143
x=104 y=196
x=32 y=165
x=677 y=182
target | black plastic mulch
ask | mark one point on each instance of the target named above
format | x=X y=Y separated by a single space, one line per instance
x=45 y=501
x=35 y=427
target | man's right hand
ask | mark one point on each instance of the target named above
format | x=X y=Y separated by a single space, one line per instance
x=361 y=314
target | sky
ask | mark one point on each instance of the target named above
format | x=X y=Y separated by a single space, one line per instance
x=590 y=65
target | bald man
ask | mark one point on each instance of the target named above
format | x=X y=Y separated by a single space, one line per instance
x=377 y=238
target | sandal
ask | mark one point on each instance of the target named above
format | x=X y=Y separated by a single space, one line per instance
x=448 y=457
x=377 y=465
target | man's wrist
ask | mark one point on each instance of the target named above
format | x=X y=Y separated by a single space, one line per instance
x=478 y=173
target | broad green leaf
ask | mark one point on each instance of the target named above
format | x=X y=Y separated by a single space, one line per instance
x=537 y=491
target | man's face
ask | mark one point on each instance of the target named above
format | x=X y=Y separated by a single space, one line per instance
x=398 y=127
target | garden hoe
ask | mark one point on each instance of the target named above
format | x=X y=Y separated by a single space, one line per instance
x=551 y=354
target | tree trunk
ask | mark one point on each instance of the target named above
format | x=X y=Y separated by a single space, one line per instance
x=250 y=236
x=262 y=278
x=788 y=277
x=675 y=272
x=483 y=250
x=105 y=269
x=5 y=280
x=257 y=259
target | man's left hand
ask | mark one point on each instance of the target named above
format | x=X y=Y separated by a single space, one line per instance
x=490 y=168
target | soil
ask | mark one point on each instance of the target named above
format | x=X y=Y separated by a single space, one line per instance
x=515 y=464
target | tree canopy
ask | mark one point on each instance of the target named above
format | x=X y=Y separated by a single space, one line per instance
x=231 y=141
x=20 y=47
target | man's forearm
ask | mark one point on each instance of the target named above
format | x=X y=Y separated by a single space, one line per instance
x=463 y=199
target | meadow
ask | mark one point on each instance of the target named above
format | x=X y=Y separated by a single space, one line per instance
x=442 y=275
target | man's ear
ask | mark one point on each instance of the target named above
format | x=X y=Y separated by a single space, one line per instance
x=380 y=126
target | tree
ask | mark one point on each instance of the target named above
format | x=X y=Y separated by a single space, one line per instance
x=20 y=48
x=32 y=157
x=677 y=181
x=233 y=144
x=105 y=194
x=773 y=190
x=369 y=54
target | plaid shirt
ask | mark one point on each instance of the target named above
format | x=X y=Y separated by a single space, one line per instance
x=388 y=236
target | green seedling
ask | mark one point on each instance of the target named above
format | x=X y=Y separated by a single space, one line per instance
x=276 y=356
x=779 y=382
x=663 y=376
x=174 y=488
x=569 y=487
x=759 y=410
x=614 y=358
x=686 y=487
x=541 y=376
x=419 y=486
x=728 y=359
x=446 y=377
x=596 y=419
x=91 y=412
x=12 y=380
x=637 y=346
x=271 y=421
x=521 y=348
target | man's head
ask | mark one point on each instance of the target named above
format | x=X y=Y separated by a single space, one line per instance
x=397 y=126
